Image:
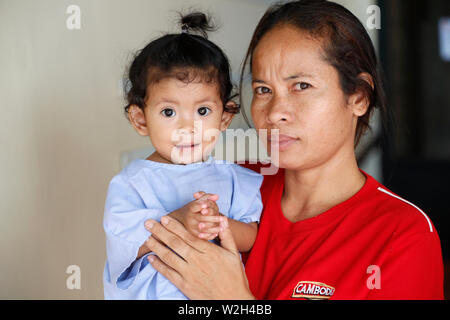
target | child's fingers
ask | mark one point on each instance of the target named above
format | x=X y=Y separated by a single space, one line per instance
x=205 y=207
x=206 y=212
x=208 y=236
x=203 y=226
x=211 y=208
x=211 y=230
x=202 y=198
x=213 y=197
x=199 y=194
x=197 y=206
x=210 y=219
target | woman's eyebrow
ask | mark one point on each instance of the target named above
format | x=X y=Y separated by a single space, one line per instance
x=258 y=81
x=298 y=75
x=292 y=77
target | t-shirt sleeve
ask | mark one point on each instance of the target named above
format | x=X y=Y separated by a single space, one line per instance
x=246 y=204
x=124 y=218
x=414 y=269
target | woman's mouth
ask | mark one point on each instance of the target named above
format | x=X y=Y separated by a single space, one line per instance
x=282 y=142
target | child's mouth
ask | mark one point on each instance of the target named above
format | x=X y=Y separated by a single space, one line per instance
x=187 y=146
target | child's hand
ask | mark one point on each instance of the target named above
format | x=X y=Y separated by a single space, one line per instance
x=208 y=230
x=200 y=217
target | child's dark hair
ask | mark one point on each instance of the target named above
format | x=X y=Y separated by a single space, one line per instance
x=185 y=56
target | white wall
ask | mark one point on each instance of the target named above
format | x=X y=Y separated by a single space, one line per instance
x=62 y=128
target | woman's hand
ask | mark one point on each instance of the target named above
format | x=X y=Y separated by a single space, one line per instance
x=201 y=217
x=201 y=270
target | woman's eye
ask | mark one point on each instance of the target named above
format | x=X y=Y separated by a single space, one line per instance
x=302 y=86
x=262 y=90
x=203 y=111
x=168 y=113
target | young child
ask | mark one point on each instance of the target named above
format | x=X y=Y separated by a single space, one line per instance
x=179 y=98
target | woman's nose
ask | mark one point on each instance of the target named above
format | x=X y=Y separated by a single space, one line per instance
x=279 y=110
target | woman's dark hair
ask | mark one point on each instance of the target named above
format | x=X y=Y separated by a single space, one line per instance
x=346 y=45
x=185 y=56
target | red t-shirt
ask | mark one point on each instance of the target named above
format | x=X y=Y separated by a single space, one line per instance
x=375 y=245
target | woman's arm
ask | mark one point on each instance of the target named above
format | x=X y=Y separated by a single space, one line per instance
x=201 y=270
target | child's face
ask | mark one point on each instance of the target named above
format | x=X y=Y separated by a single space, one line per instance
x=183 y=120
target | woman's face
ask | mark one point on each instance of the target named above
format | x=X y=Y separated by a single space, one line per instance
x=296 y=91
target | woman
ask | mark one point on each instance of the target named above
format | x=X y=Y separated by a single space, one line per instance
x=328 y=230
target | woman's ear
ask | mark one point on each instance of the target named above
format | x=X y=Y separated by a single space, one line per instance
x=227 y=117
x=359 y=101
x=137 y=118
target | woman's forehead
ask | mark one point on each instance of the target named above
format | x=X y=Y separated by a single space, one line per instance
x=288 y=50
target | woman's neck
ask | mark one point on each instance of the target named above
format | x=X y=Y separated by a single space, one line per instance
x=310 y=192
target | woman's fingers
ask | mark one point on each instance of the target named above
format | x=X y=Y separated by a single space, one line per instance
x=175 y=236
x=226 y=237
x=210 y=272
x=164 y=253
x=171 y=274
x=168 y=238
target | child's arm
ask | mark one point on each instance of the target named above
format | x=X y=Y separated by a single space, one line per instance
x=244 y=234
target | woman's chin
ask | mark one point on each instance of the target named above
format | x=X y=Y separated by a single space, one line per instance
x=287 y=161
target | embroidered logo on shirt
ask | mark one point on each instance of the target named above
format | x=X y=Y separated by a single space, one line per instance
x=313 y=290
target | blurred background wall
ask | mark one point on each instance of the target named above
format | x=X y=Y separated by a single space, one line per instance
x=415 y=52
x=63 y=132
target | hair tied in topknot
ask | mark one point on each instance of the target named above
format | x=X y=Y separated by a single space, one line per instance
x=196 y=22
x=184 y=28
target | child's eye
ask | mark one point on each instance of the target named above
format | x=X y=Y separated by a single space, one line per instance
x=203 y=111
x=169 y=113
x=302 y=86
x=262 y=90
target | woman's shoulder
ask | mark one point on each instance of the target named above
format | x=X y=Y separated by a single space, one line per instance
x=396 y=210
x=266 y=169
x=246 y=179
x=272 y=176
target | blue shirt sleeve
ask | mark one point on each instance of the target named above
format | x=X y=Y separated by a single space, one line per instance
x=124 y=217
x=246 y=204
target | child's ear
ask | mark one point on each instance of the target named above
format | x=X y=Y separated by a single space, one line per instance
x=137 y=118
x=227 y=117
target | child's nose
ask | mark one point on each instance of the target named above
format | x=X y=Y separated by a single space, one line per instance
x=189 y=126
x=186 y=131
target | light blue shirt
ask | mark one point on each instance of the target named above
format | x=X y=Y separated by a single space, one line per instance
x=149 y=190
